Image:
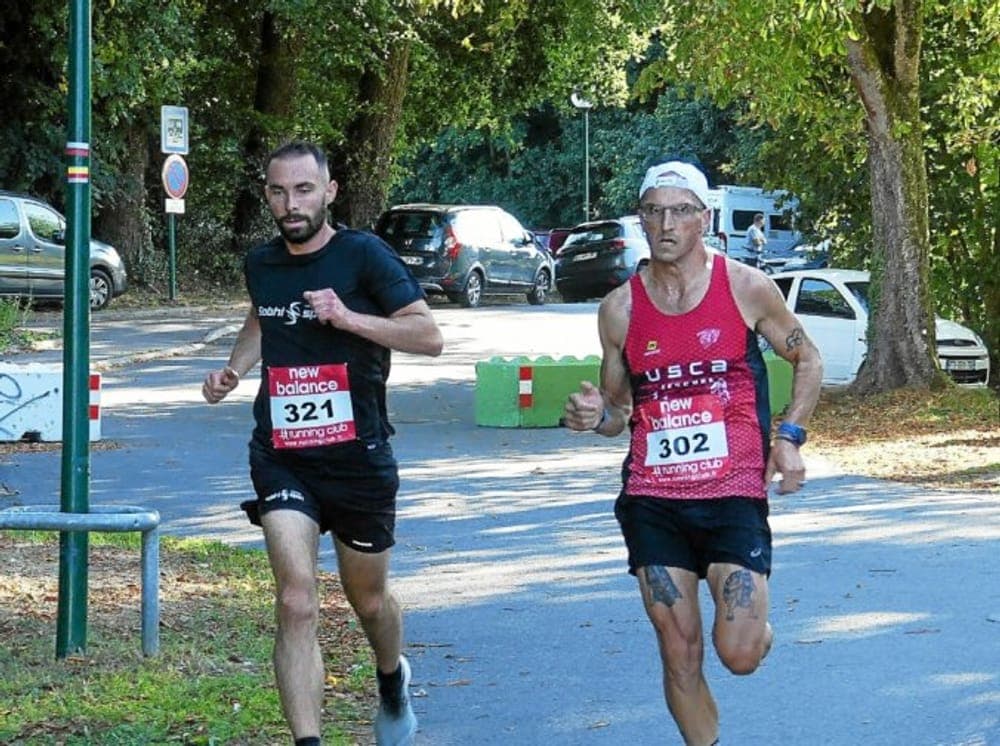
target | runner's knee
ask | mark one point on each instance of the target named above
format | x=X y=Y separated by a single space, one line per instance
x=370 y=604
x=297 y=606
x=741 y=658
x=682 y=653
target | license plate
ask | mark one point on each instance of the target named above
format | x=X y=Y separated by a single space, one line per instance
x=959 y=364
x=413 y=260
x=584 y=256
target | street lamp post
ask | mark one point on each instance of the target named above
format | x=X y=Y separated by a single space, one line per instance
x=585 y=105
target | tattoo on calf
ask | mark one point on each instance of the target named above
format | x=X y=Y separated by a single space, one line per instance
x=661 y=586
x=737 y=593
x=796 y=339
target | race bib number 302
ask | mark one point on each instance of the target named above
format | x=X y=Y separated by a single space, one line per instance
x=686 y=439
x=310 y=406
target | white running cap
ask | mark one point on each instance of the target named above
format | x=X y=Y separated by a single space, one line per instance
x=677 y=174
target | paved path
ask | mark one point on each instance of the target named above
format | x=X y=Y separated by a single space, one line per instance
x=521 y=622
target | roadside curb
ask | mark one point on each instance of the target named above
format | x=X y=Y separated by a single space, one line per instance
x=208 y=338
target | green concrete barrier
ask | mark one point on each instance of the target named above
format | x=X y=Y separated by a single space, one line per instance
x=529 y=392
x=532 y=392
x=779 y=381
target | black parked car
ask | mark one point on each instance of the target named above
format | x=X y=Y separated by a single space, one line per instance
x=33 y=254
x=467 y=251
x=599 y=256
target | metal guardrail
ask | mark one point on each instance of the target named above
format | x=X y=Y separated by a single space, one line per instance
x=113 y=518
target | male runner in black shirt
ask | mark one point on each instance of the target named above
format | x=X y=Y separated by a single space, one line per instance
x=327 y=306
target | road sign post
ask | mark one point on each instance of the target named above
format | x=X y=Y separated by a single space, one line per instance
x=174 y=142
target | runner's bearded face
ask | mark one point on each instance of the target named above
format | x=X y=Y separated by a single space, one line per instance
x=299 y=227
x=296 y=193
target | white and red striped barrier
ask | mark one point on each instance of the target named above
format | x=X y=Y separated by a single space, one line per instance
x=31 y=403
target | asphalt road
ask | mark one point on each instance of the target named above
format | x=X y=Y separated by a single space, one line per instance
x=522 y=624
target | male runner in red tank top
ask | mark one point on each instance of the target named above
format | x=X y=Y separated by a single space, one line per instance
x=682 y=369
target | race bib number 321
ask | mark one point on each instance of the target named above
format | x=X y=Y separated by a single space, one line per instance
x=310 y=406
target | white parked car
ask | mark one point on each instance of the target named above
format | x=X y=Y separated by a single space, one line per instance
x=833 y=307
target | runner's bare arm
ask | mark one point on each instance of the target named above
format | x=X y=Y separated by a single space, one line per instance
x=410 y=329
x=785 y=333
x=764 y=309
x=242 y=358
x=606 y=410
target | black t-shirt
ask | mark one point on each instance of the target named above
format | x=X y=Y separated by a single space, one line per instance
x=369 y=278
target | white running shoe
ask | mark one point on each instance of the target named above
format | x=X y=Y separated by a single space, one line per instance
x=395 y=723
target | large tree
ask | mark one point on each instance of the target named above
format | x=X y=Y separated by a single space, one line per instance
x=807 y=62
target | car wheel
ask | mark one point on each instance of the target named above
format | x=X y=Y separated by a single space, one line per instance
x=536 y=296
x=472 y=295
x=100 y=289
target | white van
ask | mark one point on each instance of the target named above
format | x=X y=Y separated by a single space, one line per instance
x=733 y=208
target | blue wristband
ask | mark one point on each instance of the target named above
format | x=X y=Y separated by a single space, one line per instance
x=792 y=433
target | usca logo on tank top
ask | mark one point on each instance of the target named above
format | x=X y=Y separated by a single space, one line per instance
x=694 y=369
x=291 y=313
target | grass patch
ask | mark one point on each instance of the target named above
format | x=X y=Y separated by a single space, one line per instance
x=212 y=682
x=14 y=317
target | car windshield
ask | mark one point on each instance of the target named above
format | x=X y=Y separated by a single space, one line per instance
x=860 y=291
x=600 y=232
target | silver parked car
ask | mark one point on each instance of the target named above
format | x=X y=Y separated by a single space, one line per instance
x=33 y=254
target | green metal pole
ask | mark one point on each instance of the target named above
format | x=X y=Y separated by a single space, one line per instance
x=172 y=244
x=71 y=622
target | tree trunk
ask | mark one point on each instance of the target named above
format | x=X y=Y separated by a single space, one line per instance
x=987 y=256
x=884 y=67
x=274 y=100
x=362 y=166
x=124 y=222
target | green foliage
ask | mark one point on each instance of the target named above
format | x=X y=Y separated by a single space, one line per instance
x=536 y=171
x=961 y=109
x=495 y=77
x=788 y=64
x=14 y=315
x=10 y=315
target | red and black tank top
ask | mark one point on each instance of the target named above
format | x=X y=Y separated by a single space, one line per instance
x=700 y=422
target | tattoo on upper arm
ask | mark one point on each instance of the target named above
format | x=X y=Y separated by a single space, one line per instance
x=737 y=593
x=661 y=586
x=796 y=339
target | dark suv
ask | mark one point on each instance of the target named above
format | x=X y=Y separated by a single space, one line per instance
x=33 y=254
x=599 y=256
x=466 y=251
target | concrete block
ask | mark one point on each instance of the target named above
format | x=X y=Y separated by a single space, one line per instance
x=529 y=392
x=31 y=403
x=532 y=392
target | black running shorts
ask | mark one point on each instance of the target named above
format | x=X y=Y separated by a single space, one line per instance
x=693 y=534
x=354 y=497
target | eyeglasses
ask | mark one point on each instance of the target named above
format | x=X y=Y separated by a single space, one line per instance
x=656 y=212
